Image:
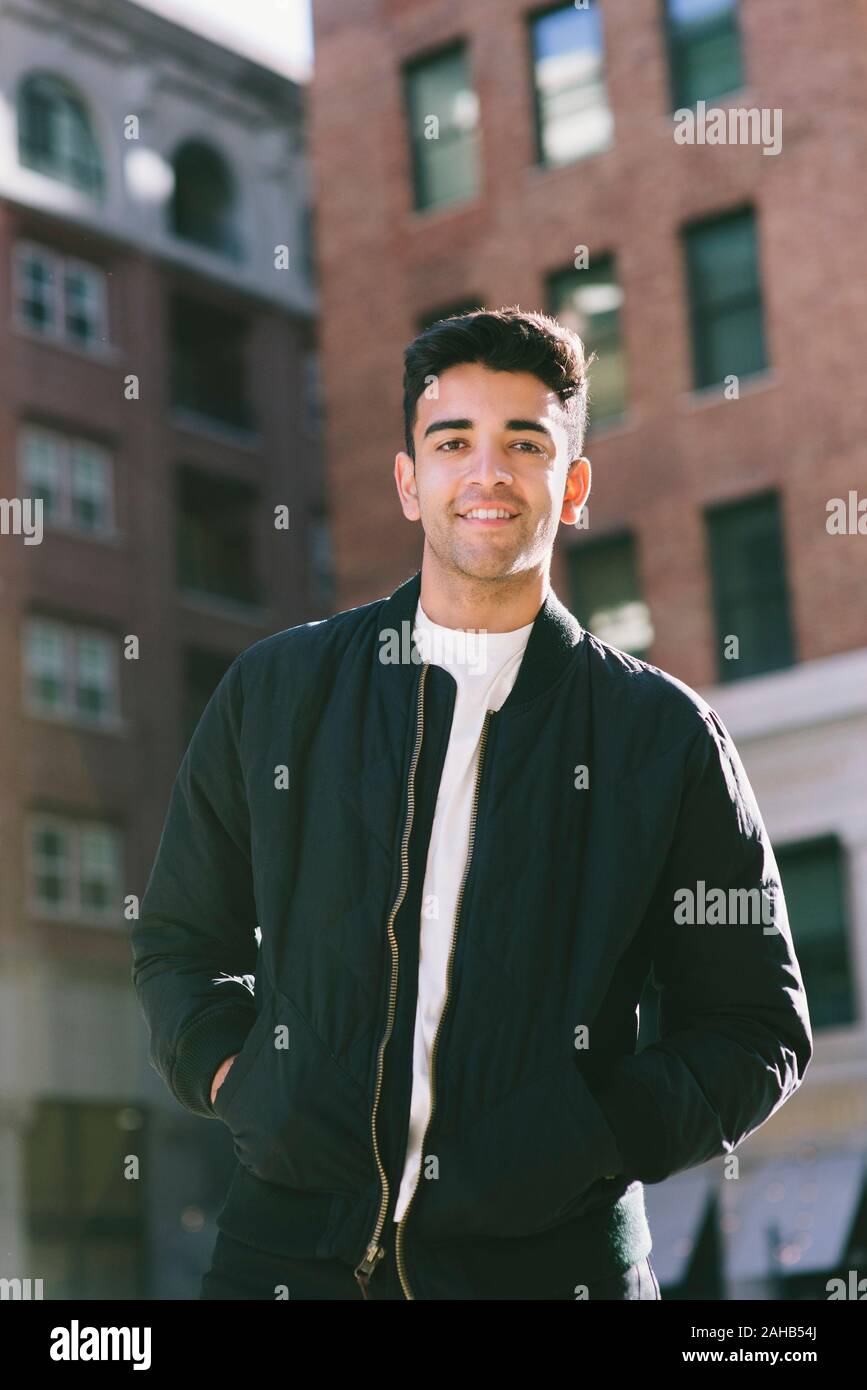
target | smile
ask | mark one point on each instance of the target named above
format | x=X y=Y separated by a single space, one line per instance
x=487 y=516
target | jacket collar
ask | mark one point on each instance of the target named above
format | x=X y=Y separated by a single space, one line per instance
x=553 y=638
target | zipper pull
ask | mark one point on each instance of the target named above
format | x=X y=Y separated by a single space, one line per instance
x=372 y=1255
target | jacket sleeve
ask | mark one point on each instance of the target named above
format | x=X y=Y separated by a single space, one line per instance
x=194 y=945
x=735 y=1036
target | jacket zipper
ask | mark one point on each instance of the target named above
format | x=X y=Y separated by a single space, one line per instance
x=401 y=1268
x=374 y=1251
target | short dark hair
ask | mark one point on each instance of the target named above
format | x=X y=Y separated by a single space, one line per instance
x=504 y=340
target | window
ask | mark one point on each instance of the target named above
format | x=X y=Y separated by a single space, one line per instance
x=812 y=875
x=589 y=302
x=70 y=673
x=207 y=362
x=203 y=203
x=85 y=1219
x=55 y=135
x=432 y=316
x=61 y=297
x=202 y=673
x=442 y=112
x=216 y=553
x=75 y=870
x=750 y=591
x=71 y=476
x=704 y=50
x=606 y=593
x=573 y=118
x=725 y=298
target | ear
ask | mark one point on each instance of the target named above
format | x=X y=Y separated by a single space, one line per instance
x=577 y=490
x=404 y=477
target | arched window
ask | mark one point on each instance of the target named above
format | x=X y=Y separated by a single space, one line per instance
x=203 y=203
x=55 y=134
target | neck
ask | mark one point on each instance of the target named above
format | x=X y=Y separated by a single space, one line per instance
x=456 y=600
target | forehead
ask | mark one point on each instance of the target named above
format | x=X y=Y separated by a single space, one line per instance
x=473 y=390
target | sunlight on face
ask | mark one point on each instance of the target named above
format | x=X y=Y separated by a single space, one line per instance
x=491 y=439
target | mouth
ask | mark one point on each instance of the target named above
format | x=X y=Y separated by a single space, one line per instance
x=487 y=517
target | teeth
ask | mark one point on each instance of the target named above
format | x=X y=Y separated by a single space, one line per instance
x=487 y=515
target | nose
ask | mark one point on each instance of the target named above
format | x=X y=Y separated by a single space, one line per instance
x=489 y=467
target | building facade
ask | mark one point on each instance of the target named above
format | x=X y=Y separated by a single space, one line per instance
x=678 y=181
x=162 y=509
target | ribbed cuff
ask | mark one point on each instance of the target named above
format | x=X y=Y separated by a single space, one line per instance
x=219 y=1034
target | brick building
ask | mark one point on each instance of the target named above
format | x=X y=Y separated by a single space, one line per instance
x=157 y=397
x=600 y=161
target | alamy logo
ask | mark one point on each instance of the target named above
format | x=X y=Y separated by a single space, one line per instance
x=22 y=516
x=843 y=520
x=732 y=125
x=451 y=647
x=717 y=907
x=20 y=1288
x=856 y=1288
x=76 y=1343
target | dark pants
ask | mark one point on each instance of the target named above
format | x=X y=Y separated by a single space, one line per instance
x=241 y=1271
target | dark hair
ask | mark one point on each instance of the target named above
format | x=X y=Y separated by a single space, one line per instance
x=504 y=340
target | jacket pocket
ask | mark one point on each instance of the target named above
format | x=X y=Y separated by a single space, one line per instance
x=297 y=1117
x=523 y=1166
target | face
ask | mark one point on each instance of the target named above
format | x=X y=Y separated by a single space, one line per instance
x=492 y=440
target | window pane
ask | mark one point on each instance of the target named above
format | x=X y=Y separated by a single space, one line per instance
x=99 y=869
x=216 y=552
x=208 y=361
x=704 y=50
x=95 y=675
x=55 y=135
x=725 y=298
x=812 y=877
x=83 y=306
x=51 y=865
x=750 y=590
x=46 y=664
x=573 y=115
x=445 y=151
x=606 y=594
x=37 y=288
x=589 y=302
x=89 y=485
x=203 y=201
x=43 y=472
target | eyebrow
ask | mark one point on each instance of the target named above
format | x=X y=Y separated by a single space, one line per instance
x=515 y=424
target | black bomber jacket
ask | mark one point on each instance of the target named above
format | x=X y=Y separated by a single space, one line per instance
x=281 y=918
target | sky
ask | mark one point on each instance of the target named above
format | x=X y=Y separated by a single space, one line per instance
x=275 y=32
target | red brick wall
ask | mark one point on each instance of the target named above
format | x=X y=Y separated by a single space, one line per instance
x=801 y=428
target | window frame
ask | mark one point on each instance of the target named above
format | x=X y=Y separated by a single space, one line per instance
x=68 y=712
x=624 y=534
x=729 y=673
x=698 y=312
x=71 y=908
x=532 y=18
x=410 y=69
x=675 y=44
x=26 y=248
x=65 y=444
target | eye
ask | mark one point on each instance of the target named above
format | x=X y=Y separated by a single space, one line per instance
x=537 y=447
x=442 y=447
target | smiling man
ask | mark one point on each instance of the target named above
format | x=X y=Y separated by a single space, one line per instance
x=462 y=872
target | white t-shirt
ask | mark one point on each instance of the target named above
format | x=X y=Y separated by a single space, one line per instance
x=485 y=666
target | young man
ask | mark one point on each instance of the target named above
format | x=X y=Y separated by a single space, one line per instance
x=466 y=831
